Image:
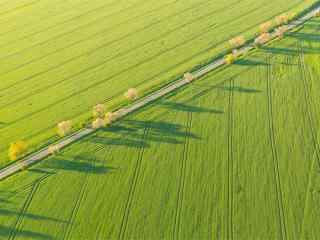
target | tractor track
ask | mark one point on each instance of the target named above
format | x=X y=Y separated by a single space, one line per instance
x=132 y=189
x=17 y=224
x=307 y=97
x=308 y=112
x=230 y=180
x=275 y=158
x=68 y=230
x=182 y=180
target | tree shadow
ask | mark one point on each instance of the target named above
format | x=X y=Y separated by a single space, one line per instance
x=239 y=89
x=6 y=201
x=311 y=24
x=188 y=108
x=129 y=134
x=131 y=143
x=2 y=124
x=309 y=37
x=76 y=165
x=6 y=232
x=162 y=128
x=291 y=51
x=41 y=171
x=6 y=212
x=249 y=62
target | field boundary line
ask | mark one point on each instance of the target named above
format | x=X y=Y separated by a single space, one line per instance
x=122 y=112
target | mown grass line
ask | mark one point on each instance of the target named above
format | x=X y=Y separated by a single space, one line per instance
x=132 y=188
x=275 y=158
x=121 y=54
x=66 y=11
x=93 y=36
x=38 y=74
x=3 y=58
x=19 y=7
x=124 y=71
x=105 y=45
x=84 y=14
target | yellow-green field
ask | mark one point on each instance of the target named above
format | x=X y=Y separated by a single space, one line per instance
x=59 y=58
x=232 y=156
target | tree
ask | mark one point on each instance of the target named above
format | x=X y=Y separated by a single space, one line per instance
x=131 y=94
x=229 y=59
x=262 y=39
x=265 y=27
x=292 y=16
x=317 y=13
x=99 y=110
x=237 y=42
x=280 y=31
x=64 y=128
x=98 y=123
x=282 y=19
x=53 y=149
x=110 y=117
x=17 y=149
x=188 y=77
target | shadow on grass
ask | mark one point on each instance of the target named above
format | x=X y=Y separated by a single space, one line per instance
x=2 y=124
x=78 y=164
x=239 y=89
x=309 y=37
x=188 y=108
x=6 y=212
x=291 y=51
x=131 y=143
x=249 y=62
x=41 y=171
x=2 y=200
x=161 y=128
x=9 y=233
x=129 y=133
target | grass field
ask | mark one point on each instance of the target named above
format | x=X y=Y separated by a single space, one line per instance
x=232 y=156
x=59 y=58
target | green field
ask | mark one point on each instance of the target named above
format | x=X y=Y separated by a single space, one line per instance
x=232 y=156
x=60 y=58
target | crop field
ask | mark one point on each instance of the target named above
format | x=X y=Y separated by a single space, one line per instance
x=232 y=156
x=60 y=58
